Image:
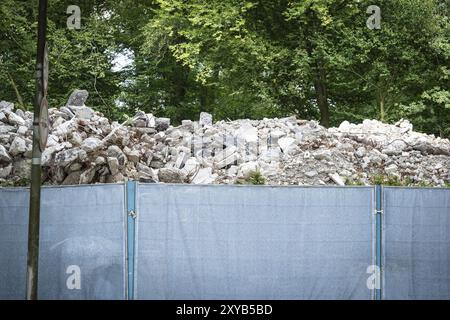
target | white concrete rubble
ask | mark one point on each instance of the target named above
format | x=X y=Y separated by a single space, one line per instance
x=85 y=147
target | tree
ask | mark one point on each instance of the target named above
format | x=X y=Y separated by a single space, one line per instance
x=240 y=59
x=78 y=58
x=208 y=43
x=430 y=108
x=17 y=51
x=393 y=68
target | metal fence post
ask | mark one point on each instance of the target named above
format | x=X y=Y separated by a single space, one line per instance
x=131 y=219
x=379 y=213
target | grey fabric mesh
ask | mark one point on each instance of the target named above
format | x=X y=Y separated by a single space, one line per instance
x=416 y=243
x=13 y=243
x=231 y=242
x=81 y=227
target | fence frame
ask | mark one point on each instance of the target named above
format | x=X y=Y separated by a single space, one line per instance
x=131 y=229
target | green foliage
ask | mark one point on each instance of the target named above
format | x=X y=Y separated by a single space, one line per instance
x=79 y=59
x=254 y=178
x=385 y=180
x=240 y=59
x=20 y=182
x=17 y=50
x=392 y=180
x=424 y=184
x=354 y=182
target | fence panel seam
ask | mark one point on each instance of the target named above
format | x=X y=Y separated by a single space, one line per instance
x=379 y=214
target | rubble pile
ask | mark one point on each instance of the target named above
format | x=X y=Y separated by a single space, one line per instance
x=84 y=147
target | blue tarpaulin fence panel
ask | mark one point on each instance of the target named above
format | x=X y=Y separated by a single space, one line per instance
x=82 y=243
x=229 y=242
x=416 y=242
x=233 y=242
x=13 y=243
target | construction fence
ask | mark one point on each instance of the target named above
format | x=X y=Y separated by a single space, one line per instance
x=162 y=241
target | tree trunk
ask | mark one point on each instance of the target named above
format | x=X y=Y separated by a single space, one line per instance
x=208 y=93
x=322 y=98
x=179 y=83
x=16 y=90
x=382 y=109
x=320 y=87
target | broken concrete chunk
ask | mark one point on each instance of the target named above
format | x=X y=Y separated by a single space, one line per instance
x=15 y=119
x=76 y=139
x=91 y=144
x=147 y=174
x=65 y=128
x=82 y=112
x=248 y=133
x=162 y=124
x=360 y=152
x=99 y=161
x=232 y=171
x=206 y=119
x=140 y=120
x=286 y=144
x=78 y=98
x=151 y=121
x=159 y=136
x=67 y=113
x=323 y=155
x=76 y=166
x=225 y=153
x=6 y=171
x=171 y=175
x=144 y=120
x=247 y=168
x=204 y=176
x=395 y=147
x=276 y=134
x=133 y=156
x=48 y=153
x=18 y=146
x=181 y=159
x=191 y=167
x=337 y=179
x=22 y=130
x=270 y=155
x=22 y=168
x=391 y=169
x=114 y=178
x=311 y=174
x=72 y=179
x=66 y=157
x=228 y=161
x=6 y=106
x=87 y=176
x=113 y=165
x=4 y=156
x=116 y=152
x=6 y=129
x=187 y=125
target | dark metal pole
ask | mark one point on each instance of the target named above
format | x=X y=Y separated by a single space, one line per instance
x=35 y=193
